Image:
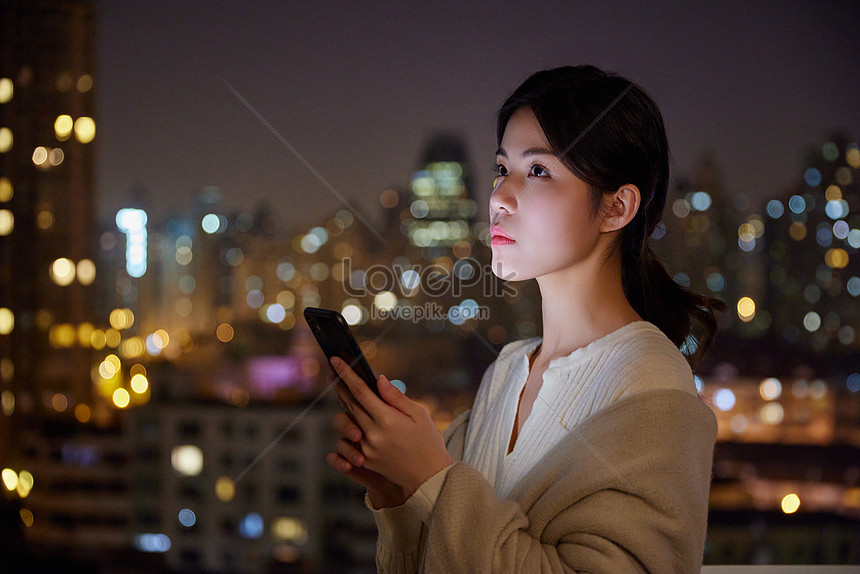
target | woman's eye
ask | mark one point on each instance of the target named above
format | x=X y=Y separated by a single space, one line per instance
x=499 y=170
x=539 y=171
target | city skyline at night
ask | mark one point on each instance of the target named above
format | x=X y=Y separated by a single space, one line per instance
x=358 y=89
x=177 y=184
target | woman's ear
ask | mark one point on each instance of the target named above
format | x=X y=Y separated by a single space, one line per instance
x=620 y=207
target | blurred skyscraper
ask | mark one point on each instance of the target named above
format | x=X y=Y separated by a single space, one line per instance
x=47 y=210
x=813 y=253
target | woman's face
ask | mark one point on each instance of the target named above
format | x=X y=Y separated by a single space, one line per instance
x=541 y=214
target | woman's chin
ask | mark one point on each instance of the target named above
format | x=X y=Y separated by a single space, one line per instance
x=503 y=271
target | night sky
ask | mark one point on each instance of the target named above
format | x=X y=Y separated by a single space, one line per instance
x=357 y=88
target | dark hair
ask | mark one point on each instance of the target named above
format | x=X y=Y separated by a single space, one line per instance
x=609 y=132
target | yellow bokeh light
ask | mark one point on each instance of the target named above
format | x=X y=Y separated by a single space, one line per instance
x=6 y=189
x=797 y=231
x=107 y=370
x=6 y=140
x=139 y=384
x=225 y=490
x=790 y=503
x=132 y=348
x=286 y=299
x=63 y=127
x=25 y=483
x=45 y=219
x=44 y=319
x=288 y=323
x=121 y=319
x=85 y=83
x=7 y=321
x=772 y=413
x=112 y=338
x=10 y=479
x=833 y=193
x=7 y=90
x=7 y=401
x=160 y=339
x=62 y=335
x=86 y=271
x=836 y=258
x=7 y=369
x=121 y=398
x=385 y=300
x=26 y=517
x=852 y=156
x=85 y=129
x=746 y=309
x=137 y=369
x=224 y=332
x=85 y=331
x=82 y=413
x=97 y=339
x=63 y=271
x=291 y=529
x=7 y=222
x=60 y=402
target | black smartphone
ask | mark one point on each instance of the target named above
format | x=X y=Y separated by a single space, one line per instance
x=336 y=340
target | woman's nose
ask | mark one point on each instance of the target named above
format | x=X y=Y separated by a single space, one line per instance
x=503 y=198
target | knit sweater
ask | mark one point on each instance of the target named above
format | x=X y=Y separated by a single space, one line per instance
x=635 y=358
x=623 y=489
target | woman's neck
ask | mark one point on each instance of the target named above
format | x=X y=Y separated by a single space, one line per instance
x=581 y=305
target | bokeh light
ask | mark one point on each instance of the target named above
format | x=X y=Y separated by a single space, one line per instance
x=85 y=129
x=746 y=309
x=187 y=459
x=790 y=503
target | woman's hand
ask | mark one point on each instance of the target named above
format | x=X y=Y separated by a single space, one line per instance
x=349 y=460
x=399 y=440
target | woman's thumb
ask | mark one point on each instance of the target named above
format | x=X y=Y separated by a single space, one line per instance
x=391 y=391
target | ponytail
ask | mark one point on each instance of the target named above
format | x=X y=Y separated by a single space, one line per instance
x=676 y=311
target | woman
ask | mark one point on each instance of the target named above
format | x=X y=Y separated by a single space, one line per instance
x=587 y=449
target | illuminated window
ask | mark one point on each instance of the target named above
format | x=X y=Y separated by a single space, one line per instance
x=7 y=90
x=132 y=222
x=85 y=129
x=63 y=271
x=5 y=140
x=63 y=127
x=7 y=222
x=6 y=191
x=187 y=459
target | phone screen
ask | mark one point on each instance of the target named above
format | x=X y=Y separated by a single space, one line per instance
x=334 y=337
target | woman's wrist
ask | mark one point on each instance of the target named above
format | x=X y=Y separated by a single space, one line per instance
x=387 y=498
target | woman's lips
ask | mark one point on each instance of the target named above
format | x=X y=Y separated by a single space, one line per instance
x=499 y=237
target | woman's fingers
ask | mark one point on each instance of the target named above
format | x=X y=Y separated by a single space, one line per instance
x=347 y=427
x=361 y=393
x=352 y=406
x=349 y=452
x=337 y=462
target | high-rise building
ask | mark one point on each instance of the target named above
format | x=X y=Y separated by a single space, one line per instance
x=47 y=214
x=440 y=208
x=709 y=240
x=813 y=253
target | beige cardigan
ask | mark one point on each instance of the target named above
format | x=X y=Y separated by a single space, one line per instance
x=625 y=491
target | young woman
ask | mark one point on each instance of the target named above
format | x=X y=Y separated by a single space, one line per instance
x=587 y=449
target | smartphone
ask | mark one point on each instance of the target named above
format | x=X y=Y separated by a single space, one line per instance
x=336 y=340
